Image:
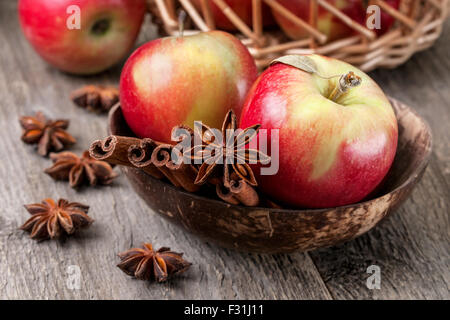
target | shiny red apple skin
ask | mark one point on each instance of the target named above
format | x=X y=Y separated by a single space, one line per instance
x=330 y=154
x=327 y=23
x=179 y=80
x=242 y=8
x=79 y=51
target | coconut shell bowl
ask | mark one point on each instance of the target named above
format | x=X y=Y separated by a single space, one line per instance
x=275 y=230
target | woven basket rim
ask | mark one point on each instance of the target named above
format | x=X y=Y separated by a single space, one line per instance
x=418 y=25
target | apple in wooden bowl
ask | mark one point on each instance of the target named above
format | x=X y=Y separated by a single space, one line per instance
x=271 y=230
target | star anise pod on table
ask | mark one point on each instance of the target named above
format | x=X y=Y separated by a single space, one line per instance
x=47 y=134
x=226 y=149
x=95 y=98
x=147 y=264
x=52 y=219
x=80 y=170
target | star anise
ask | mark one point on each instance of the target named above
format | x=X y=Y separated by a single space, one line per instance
x=48 y=134
x=147 y=264
x=95 y=98
x=51 y=220
x=226 y=149
x=78 y=170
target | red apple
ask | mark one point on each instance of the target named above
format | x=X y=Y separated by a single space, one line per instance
x=386 y=20
x=242 y=8
x=107 y=31
x=327 y=23
x=332 y=152
x=178 y=80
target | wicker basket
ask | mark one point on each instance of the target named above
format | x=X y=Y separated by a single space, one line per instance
x=418 y=24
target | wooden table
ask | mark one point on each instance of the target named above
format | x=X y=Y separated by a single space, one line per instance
x=411 y=247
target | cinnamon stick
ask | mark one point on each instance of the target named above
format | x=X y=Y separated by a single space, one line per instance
x=240 y=192
x=177 y=171
x=225 y=194
x=185 y=172
x=140 y=156
x=113 y=149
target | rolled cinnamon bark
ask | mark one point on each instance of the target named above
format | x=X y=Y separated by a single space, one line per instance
x=182 y=174
x=245 y=193
x=113 y=149
x=240 y=192
x=225 y=194
x=140 y=156
x=185 y=175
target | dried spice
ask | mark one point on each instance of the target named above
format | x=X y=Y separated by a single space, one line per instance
x=147 y=264
x=153 y=157
x=47 y=134
x=233 y=181
x=214 y=153
x=95 y=98
x=80 y=170
x=52 y=220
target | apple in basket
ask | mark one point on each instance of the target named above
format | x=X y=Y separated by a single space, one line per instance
x=242 y=8
x=179 y=80
x=81 y=36
x=327 y=23
x=337 y=130
x=386 y=20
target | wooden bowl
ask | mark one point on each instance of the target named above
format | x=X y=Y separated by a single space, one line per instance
x=269 y=230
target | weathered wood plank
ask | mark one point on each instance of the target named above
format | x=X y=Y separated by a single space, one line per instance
x=39 y=270
x=411 y=247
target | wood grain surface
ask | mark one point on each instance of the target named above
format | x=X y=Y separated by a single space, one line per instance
x=411 y=247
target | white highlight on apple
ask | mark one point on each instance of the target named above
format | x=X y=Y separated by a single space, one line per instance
x=74 y=20
x=161 y=66
x=242 y=88
x=274 y=115
x=369 y=147
x=374 y=17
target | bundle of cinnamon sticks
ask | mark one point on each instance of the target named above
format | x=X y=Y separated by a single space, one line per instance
x=161 y=162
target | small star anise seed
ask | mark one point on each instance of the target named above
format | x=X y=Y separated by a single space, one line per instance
x=95 y=98
x=78 y=170
x=147 y=264
x=47 y=134
x=51 y=220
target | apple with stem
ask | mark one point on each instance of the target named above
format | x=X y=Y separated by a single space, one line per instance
x=327 y=23
x=337 y=131
x=242 y=8
x=179 y=80
x=106 y=33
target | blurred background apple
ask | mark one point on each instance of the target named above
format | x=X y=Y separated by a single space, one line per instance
x=327 y=23
x=108 y=31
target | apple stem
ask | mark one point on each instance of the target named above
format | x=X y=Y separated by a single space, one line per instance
x=181 y=19
x=346 y=81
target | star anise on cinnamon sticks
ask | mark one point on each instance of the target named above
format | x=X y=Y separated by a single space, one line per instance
x=147 y=264
x=47 y=134
x=95 y=98
x=80 y=170
x=52 y=219
x=227 y=150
